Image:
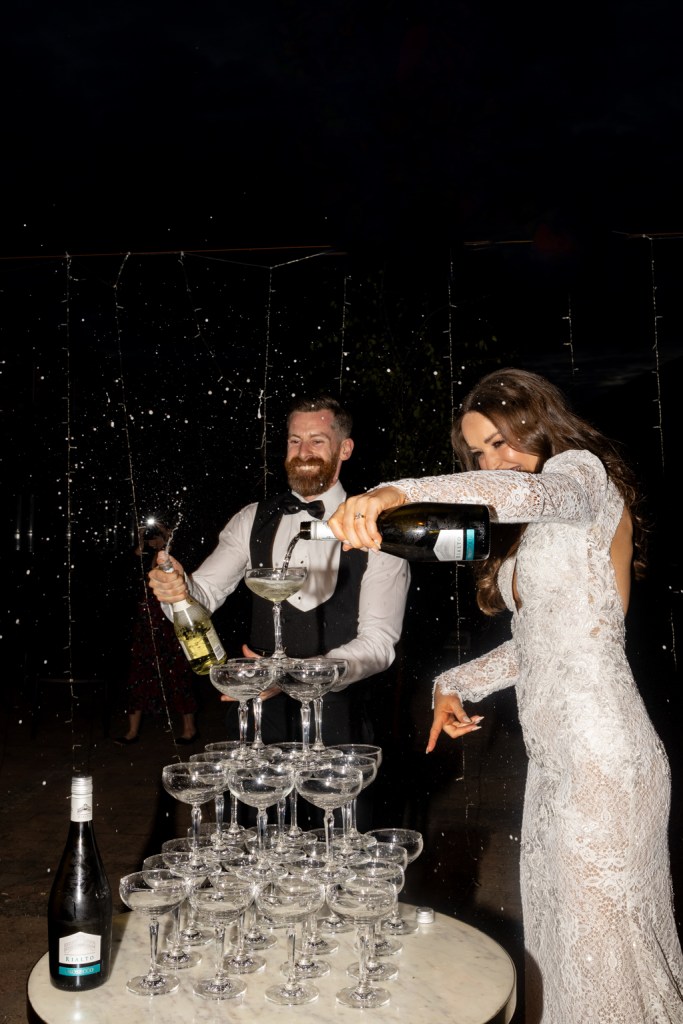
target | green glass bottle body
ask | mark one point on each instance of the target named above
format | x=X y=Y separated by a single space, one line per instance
x=79 y=913
x=425 y=532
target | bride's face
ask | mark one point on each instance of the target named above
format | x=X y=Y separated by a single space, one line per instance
x=489 y=447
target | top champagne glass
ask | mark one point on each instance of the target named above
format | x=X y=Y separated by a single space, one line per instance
x=276 y=585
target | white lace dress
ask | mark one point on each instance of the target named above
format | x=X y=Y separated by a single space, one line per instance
x=600 y=936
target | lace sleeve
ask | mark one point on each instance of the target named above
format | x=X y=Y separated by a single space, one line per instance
x=570 y=489
x=478 y=678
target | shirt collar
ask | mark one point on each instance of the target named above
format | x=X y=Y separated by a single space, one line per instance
x=331 y=499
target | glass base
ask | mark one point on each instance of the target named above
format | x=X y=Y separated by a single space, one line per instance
x=312 y=968
x=292 y=995
x=195 y=937
x=399 y=927
x=259 y=940
x=243 y=963
x=178 y=960
x=386 y=947
x=336 y=925
x=361 y=1000
x=319 y=946
x=211 y=988
x=376 y=971
x=159 y=985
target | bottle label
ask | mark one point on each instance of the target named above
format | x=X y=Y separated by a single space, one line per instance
x=455 y=545
x=200 y=645
x=80 y=954
x=81 y=807
x=319 y=530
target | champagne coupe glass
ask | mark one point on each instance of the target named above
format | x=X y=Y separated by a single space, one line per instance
x=288 y=901
x=413 y=843
x=369 y=868
x=242 y=960
x=318 y=745
x=311 y=866
x=361 y=749
x=231 y=750
x=194 y=783
x=329 y=787
x=294 y=752
x=203 y=863
x=153 y=893
x=294 y=838
x=244 y=679
x=261 y=786
x=305 y=680
x=276 y=585
x=221 y=838
x=353 y=840
x=221 y=903
x=177 y=957
x=362 y=901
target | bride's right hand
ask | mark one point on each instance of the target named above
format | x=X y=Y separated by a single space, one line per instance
x=355 y=521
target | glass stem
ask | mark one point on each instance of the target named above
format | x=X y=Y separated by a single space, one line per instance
x=346 y=819
x=153 y=973
x=221 y=972
x=281 y=811
x=329 y=825
x=305 y=728
x=293 y=827
x=196 y=827
x=175 y=934
x=318 y=713
x=257 y=707
x=243 y=716
x=262 y=829
x=372 y=935
x=363 y=941
x=234 y=827
x=291 y=961
x=277 y=628
x=352 y=817
x=219 y=802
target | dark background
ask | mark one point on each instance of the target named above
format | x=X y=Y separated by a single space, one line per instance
x=356 y=124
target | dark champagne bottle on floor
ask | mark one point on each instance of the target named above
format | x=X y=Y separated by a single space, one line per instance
x=195 y=631
x=79 y=908
x=425 y=532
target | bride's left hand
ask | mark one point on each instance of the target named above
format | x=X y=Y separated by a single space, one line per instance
x=450 y=717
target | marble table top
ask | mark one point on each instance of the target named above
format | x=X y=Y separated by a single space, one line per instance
x=448 y=972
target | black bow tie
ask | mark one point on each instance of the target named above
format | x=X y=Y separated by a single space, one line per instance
x=290 y=505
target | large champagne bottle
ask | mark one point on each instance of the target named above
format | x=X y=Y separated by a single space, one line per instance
x=79 y=908
x=195 y=630
x=198 y=637
x=425 y=532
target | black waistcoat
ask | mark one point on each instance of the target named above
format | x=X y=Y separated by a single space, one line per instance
x=304 y=634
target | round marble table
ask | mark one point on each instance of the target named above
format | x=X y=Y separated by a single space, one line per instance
x=448 y=972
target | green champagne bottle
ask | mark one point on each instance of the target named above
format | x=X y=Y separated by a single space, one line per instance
x=425 y=532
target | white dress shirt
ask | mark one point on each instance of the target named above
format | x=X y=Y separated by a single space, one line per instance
x=384 y=586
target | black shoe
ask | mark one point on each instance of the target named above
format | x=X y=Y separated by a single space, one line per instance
x=123 y=741
x=183 y=741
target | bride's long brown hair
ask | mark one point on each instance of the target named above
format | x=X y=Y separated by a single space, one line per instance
x=534 y=417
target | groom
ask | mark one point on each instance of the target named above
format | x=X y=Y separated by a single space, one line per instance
x=351 y=605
